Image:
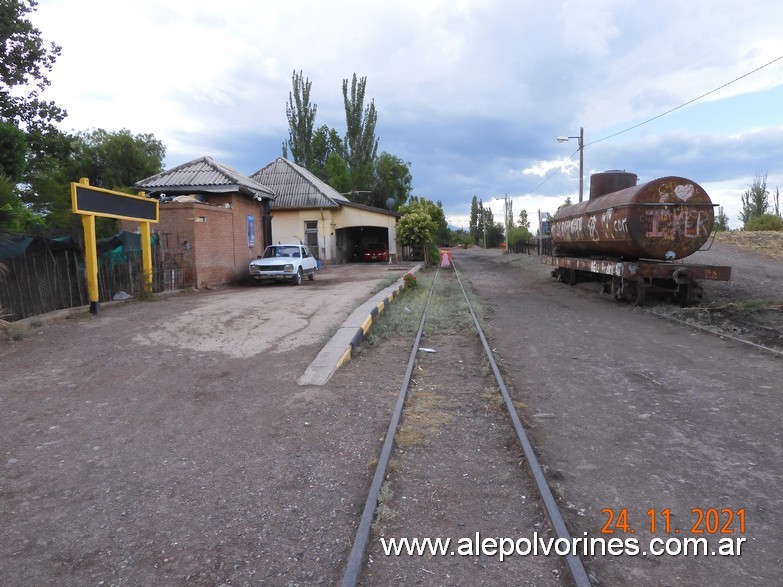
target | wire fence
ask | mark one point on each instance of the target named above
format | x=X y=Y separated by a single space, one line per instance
x=55 y=280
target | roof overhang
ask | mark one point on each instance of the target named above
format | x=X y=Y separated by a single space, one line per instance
x=372 y=209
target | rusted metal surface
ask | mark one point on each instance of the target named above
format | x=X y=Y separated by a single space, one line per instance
x=642 y=269
x=664 y=219
x=610 y=181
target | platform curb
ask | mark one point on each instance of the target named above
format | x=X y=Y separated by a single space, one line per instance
x=339 y=350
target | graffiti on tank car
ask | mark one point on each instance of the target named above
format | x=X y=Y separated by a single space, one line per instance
x=605 y=268
x=567 y=228
x=675 y=194
x=607 y=219
x=684 y=192
x=701 y=228
x=607 y=224
x=677 y=222
x=592 y=227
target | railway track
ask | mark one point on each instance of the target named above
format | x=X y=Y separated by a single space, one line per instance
x=759 y=327
x=455 y=437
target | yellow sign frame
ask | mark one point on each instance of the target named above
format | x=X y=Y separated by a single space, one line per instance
x=88 y=213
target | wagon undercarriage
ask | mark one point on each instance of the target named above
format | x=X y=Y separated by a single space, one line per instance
x=632 y=281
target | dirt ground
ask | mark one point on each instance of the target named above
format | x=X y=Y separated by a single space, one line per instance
x=631 y=411
x=168 y=442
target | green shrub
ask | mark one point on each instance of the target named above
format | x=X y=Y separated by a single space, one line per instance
x=764 y=222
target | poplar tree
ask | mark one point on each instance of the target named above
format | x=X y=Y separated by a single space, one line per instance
x=361 y=145
x=754 y=200
x=474 y=219
x=301 y=120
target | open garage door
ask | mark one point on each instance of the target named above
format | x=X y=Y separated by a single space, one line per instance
x=354 y=241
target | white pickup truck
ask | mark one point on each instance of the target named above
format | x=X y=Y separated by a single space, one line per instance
x=281 y=262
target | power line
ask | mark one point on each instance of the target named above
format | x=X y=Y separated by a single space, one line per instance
x=533 y=191
x=559 y=169
x=687 y=103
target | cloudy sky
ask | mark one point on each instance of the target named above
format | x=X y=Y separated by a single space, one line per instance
x=473 y=94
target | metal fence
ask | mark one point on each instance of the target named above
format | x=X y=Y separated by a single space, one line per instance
x=54 y=280
x=539 y=246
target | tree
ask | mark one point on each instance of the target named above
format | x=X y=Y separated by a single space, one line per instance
x=496 y=234
x=461 y=237
x=112 y=160
x=754 y=200
x=415 y=229
x=518 y=234
x=301 y=120
x=437 y=228
x=24 y=61
x=13 y=150
x=116 y=160
x=337 y=174
x=721 y=221
x=325 y=143
x=473 y=228
x=565 y=204
x=433 y=209
x=392 y=180
x=361 y=145
x=17 y=218
x=509 y=213
x=523 y=220
x=485 y=220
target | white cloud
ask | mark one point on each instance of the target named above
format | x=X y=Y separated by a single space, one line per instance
x=472 y=94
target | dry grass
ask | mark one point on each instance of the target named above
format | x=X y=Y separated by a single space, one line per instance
x=765 y=242
x=423 y=417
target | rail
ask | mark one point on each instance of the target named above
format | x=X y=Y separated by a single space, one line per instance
x=361 y=539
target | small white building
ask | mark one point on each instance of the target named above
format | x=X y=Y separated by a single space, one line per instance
x=307 y=209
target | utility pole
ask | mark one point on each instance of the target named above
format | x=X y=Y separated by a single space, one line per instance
x=505 y=212
x=581 y=161
x=581 y=138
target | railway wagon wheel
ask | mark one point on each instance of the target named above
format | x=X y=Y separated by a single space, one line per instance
x=566 y=275
x=641 y=292
x=689 y=291
x=617 y=289
x=629 y=290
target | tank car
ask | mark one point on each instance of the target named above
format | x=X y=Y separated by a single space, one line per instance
x=632 y=237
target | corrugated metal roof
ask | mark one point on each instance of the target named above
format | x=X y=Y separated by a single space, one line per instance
x=204 y=174
x=295 y=187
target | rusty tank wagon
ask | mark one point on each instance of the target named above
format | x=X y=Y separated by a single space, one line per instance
x=633 y=237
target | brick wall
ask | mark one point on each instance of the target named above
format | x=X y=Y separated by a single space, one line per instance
x=209 y=242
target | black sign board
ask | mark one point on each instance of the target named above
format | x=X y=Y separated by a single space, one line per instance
x=99 y=202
